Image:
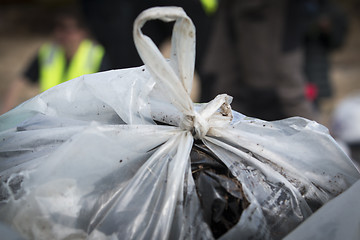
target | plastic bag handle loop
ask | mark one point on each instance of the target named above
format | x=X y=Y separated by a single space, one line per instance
x=175 y=76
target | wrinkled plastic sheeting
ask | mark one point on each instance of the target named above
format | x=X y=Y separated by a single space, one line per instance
x=78 y=99
x=128 y=175
x=69 y=108
x=78 y=190
x=81 y=171
x=283 y=186
x=338 y=219
x=85 y=159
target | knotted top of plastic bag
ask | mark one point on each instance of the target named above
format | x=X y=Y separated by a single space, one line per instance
x=175 y=76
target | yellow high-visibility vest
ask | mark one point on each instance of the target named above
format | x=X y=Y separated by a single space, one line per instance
x=210 y=6
x=52 y=61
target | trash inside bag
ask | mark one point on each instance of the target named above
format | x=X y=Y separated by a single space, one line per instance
x=219 y=192
x=126 y=154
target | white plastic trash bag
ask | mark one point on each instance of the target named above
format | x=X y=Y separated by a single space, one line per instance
x=126 y=154
x=338 y=219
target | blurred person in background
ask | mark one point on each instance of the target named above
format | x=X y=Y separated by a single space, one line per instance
x=256 y=56
x=326 y=32
x=70 y=55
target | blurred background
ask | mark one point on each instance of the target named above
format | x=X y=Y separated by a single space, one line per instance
x=326 y=33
